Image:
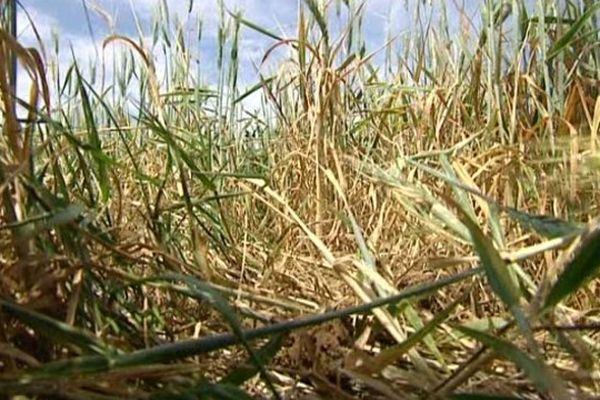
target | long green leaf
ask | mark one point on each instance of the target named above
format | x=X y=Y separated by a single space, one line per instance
x=392 y=354
x=256 y=27
x=263 y=82
x=583 y=266
x=571 y=35
x=188 y=348
x=498 y=276
x=494 y=266
x=103 y=162
x=459 y=194
x=56 y=330
x=548 y=227
x=203 y=292
x=538 y=372
x=246 y=371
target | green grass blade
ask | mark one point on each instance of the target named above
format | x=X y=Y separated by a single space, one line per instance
x=548 y=227
x=188 y=348
x=313 y=7
x=255 y=27
x=171 y=140
x=582 y=267
x=571 y=34
x=254 y=88
x=498 y=276
x=496 y=226
x=415 y=321
x=58 y=331
x=247 y=371
x=495 y=267
x=102 y=161
x=392 y=354
x=203 y=292
x=461 y=196
x=538 y=372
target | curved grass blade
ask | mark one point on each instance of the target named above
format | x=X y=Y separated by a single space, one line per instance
x=247 y=371
x=48 y=220
x=486 y=324
x=460 y=195
x=153 y=123
x=494 y=266
x=263 y=82
x=203 y=292
x=544 y=225
x=188 y=348
x=548 y=227
x=103 y=162
x=313 y=6
x=56 y=330
x=537 y=371
x=498 y=276
x=255 y=27
x=582 y=267
x=571 y=35
x=392 y=354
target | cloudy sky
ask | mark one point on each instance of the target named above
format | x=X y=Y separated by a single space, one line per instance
x=83 y=24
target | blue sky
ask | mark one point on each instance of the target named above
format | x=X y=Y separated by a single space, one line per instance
x=83 y=24
x=68 y=19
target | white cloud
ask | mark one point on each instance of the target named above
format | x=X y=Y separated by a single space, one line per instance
x=44 y=24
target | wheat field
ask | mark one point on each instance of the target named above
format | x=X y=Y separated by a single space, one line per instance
x=416 y=220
